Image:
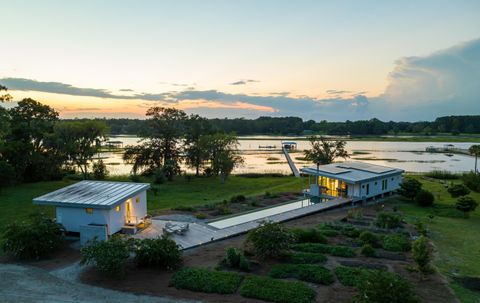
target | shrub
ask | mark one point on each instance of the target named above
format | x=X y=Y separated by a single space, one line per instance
x=36 y=238
x=159 y=176
x=329 y=226
x=396 y=242
x=350 y=231
x=340 y=251
x=409 y=188
x=304 y=272
x=206 y=280
x=422 y=254
x=356 y=213
x=472 y=181
x=458 y=190
x=270 y=239
x=466 y=204
x=201 y=215
x=185 y=208
x=223 y=209
x=306 y=258
x=388 y=220
x=442 y=175
x=162 y=253
x=308 y=235
x=109 y=257
x=369 y=238
x=349 y=276
x=99 y=170
x=238 y=199
x=383 y=286
x=278 y=291
x=234 y=258
x=424 y=198
x=368 y=251
x=329 y=232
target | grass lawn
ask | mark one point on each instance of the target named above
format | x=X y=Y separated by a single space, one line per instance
x=456 y=239
x=16 y=202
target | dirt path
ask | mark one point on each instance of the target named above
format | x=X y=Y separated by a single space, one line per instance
x=29 y=284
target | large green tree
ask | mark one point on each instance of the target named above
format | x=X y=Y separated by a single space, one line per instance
x=27 y=145
x=195 y=153
x=222 y=151
x=80 y=141
x=325 y=151
x=474 y=150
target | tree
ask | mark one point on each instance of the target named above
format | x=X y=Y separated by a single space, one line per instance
x=466 y=204
x=80 y=141
x=36 y=238
x=6 y=174
x=324 y=151
x=424 y=198
x=28 y=145
x=270 y=239
x=422 y=254
x=474 y=150
x=146 y=156
x=409 y=188
x=222 y=151
x=4 y=97
x=458 y=190
x=195 y=153
x=165 y=128
x=99 y=170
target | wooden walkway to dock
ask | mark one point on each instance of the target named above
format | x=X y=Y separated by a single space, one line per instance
x=292 y=165
x=202 y=233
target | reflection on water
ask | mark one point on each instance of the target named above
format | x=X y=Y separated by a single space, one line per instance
x=410 y=156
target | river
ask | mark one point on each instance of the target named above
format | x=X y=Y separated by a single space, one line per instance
x=410 y=156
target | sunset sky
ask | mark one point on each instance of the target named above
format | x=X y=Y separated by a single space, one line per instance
x=333 y=60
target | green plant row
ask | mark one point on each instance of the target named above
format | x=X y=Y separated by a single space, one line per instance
x=305 y=272
x=206 y=280
x=339 y=251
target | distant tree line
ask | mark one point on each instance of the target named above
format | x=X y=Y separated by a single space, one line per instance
x=296 y=126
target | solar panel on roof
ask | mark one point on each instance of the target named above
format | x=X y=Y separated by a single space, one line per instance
x=377 y=169
x=333 y=169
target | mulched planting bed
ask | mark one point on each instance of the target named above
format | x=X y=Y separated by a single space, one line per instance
x=355 y=263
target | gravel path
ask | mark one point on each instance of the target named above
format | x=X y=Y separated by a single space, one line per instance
x=29 y=284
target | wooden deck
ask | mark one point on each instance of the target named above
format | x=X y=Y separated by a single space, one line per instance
x=202 y=233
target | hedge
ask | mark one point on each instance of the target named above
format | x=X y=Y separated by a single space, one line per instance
x=339 y=251
x=277 y=291
x=305 y=272
x=307 y=258
x=349 y=276
x=206 y=280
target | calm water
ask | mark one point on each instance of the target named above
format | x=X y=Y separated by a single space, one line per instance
x=410 y=156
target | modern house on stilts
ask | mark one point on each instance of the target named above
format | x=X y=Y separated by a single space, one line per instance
x=353 y=180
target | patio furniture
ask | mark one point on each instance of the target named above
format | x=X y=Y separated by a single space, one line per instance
x=179 y=229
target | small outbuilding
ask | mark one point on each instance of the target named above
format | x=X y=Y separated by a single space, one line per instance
x=88 y=204
x=354 y=180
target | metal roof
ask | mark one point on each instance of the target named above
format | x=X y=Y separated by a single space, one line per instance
x=352 y=172
x=94 y=194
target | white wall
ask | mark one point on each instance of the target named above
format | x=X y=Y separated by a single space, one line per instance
x=73 y=217
x=393 y=183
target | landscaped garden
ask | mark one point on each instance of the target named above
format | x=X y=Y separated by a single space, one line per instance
x=301 y=261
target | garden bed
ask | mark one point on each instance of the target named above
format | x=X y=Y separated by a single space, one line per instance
x=154 y=282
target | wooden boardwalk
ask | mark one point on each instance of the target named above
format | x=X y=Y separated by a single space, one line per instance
x=202 y=233
x=294 y=168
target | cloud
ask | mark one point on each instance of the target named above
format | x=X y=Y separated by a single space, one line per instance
x=244 y=82
x=126 y=90
x=443 y=83
x=337 y=92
